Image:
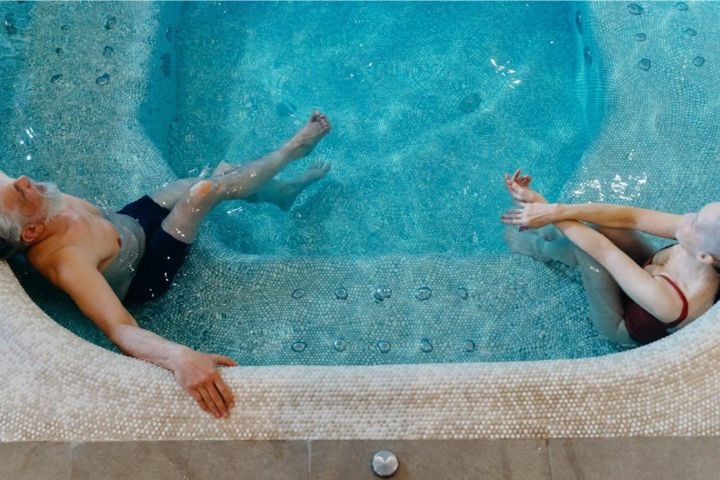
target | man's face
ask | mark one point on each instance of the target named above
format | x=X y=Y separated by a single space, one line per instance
x=21 y=196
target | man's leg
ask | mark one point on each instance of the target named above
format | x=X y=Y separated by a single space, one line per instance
x=185 y=218
x=169 y=195
x=283 y=194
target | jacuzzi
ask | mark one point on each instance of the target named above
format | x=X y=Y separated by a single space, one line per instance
x=644 y=86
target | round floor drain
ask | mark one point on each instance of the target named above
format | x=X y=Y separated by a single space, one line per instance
x=384 y=464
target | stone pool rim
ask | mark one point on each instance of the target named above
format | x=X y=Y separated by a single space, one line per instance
x=59 y=387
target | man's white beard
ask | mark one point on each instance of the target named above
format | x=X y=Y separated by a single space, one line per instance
x=53 y=199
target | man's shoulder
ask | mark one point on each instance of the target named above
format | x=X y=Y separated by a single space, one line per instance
x=63 y=259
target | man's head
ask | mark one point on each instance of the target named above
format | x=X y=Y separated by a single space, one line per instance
x=25 y=209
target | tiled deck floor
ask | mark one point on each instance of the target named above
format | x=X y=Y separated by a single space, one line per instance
x=561 y=459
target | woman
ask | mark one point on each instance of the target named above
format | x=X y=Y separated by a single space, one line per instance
x=636 y=296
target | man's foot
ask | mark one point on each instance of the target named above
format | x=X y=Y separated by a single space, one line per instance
x=294 y=187
x=524 y=243
x=307 y=137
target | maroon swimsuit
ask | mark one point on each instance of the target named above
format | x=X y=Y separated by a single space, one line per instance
x=641 y=325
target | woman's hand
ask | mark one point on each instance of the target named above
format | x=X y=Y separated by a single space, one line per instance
x=531 y=215
x=519 y=188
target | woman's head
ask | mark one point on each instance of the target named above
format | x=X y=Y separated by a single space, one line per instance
x=699 y=234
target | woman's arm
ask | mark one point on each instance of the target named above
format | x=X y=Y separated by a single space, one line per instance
x=535 y=215
x=534 y=212
x=654 y=222
x=651 y=293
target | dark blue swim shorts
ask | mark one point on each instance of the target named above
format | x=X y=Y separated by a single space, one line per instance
x=163 y=257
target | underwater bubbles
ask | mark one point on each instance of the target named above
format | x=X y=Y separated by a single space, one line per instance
x=382 y=293
x=423 y=293
x=103 y=79
x=578 y=21
x=110 y=22
x=469 y=346
x=298 y=293
x=383 y=346
x=426 y=345
x=635 y=9
x=340 y=345
x=9 y=24
x=470 y=103
x=299 y=346
x=341 y=293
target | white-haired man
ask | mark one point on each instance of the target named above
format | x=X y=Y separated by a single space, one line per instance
x=103 y=259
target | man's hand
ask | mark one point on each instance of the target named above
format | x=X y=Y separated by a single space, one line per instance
x=196 y=372
x=519 y=188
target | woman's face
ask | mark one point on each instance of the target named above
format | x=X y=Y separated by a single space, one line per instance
x=695 y=234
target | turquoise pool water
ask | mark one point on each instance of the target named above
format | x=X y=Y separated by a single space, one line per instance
x=398 y=255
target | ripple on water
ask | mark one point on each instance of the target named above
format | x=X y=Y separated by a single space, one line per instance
x=640 y=37
x=699 y=61
x=644 y=64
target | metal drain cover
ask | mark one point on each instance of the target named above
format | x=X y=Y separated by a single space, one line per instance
x=385 y=464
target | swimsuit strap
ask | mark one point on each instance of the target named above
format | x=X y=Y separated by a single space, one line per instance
x=684 y=312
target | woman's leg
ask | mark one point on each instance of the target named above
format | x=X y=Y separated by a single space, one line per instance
x=629 y=241
x=603 y=293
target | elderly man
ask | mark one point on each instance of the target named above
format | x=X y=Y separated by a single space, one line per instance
x=102 y=259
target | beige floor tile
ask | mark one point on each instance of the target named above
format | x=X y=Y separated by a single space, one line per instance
x=34 y=461
x=635 y=458
x=433 y=460
x=191 y=460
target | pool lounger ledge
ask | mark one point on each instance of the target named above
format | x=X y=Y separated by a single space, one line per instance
x=58 y=387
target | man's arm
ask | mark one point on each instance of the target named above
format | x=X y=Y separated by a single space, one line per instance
x=194 y=371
